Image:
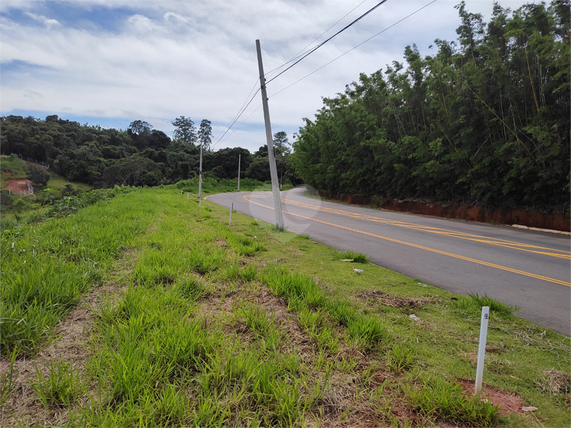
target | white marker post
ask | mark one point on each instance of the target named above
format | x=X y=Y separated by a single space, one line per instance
x=482 y=347
x=230 y=220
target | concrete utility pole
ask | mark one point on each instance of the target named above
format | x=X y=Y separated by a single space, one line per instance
x=239 y=160
x=271 y=157
x=200 y=178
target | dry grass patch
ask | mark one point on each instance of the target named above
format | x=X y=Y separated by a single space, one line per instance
x=378 y=296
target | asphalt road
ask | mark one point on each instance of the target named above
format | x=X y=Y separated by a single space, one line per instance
x=517 y=267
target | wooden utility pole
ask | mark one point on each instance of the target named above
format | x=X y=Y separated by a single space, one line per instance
x=271 y=157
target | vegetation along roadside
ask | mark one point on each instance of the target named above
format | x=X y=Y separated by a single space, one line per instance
x=147 y=309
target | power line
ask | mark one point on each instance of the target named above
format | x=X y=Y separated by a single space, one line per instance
x=295 y=58
x=355 y=47
x=327 y=40
x=241 y=123
x=240 y=112
x=297 y=55
x=248 y=102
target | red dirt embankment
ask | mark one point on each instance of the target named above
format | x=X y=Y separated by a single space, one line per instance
x=524 y=217
x=17 y=186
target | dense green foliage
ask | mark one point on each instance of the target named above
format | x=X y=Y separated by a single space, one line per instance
x=485 y=121
x=139 y=156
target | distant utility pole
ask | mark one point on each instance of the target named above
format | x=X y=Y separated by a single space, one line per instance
x=271 y=157
x=200 y=178
x=239 y=160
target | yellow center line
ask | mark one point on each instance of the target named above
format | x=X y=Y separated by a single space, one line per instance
x=421 y=247
x=454 y=234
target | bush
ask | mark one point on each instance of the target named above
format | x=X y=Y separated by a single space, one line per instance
x=37 y=175
x=6 y=199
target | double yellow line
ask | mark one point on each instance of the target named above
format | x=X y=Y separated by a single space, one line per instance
x=444 y=232
x=477 y=238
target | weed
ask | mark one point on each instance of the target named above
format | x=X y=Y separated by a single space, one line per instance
x=60 y=387
x=191 y=288
x=343 y=312
x=326 y=340
x=233 y=272
x=257 y=319
x=354 y=257
x=367 y=332
x=475 y=301
x=441 y=400
x=401 y=357
x=244 y=246
x=249 y=273
x=205 y=262
x=8 y=378
x=346 y=365
x=310 y=320
x=295 y=286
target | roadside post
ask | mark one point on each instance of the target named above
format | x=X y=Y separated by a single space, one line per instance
x=482 y=347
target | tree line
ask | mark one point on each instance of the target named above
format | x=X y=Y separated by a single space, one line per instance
x=138 y=156
x=485 y=119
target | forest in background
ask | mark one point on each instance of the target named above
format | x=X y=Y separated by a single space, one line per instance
x=484 y=120
x=138 y=156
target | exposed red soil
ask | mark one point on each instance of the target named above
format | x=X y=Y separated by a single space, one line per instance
x=17 y=186
x=521 y=216
x=507 y=402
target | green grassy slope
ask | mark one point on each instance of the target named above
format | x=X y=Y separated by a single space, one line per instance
x=206 y=324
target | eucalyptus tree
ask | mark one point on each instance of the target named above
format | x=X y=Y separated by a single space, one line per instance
x=205 y=134
x=185 y=130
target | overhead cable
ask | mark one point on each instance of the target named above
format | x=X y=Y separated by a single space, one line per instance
x=301 y=52
x=326 y=40
x=241 y=111
x=355 y=47
x=247 y=103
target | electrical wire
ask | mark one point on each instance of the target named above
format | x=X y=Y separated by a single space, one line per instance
x=229 y=127
x=355 y=47
x=244 y=121
x=241 y=111
x=297 y=58
x=246 y=105
x=327 y=40
x=301 y=52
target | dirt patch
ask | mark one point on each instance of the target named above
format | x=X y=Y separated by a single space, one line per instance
x=394 y=301
x=17 y=187
x=507 y=402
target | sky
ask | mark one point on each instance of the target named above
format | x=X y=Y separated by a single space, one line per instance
x=110 y=62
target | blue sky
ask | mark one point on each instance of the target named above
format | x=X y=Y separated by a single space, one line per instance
x=109 y=62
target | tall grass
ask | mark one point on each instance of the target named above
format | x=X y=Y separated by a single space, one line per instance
x=47 y=267
x=440 y=400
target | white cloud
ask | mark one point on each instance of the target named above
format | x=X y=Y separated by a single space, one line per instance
x=44 y=20
x=175 y=18
x=141 y=23
x=198 y=58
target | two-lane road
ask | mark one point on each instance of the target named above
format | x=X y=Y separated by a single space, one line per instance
x=528 y=269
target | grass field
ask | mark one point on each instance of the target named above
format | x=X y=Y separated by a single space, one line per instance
x=149 y=310
x=11 y=168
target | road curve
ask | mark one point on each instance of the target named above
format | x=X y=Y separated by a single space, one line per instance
x=517 y=267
